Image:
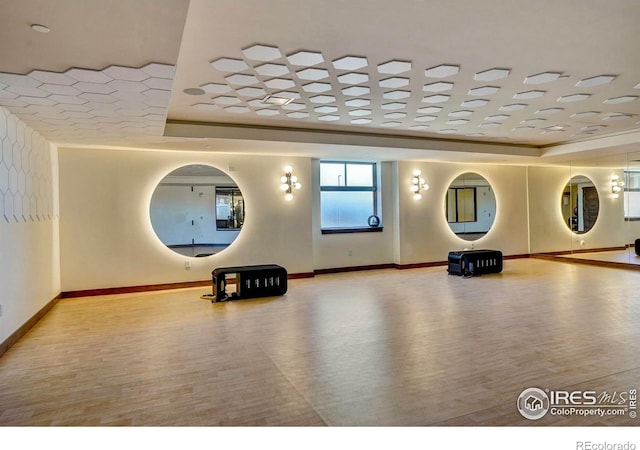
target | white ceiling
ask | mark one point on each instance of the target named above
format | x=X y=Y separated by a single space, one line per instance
x=493 y=81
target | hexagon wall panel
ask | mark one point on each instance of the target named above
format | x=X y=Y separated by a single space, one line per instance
x=28 y=172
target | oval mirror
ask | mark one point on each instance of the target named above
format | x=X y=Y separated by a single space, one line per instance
x=580 y=204
x=197 y=210
x=470 y=206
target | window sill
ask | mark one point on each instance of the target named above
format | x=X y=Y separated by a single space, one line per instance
x=351 y=230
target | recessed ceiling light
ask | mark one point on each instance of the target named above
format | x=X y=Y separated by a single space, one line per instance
x=40 y=28
x=194 y=91
x=273 y=100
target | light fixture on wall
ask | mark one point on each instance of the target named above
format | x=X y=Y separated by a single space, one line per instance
x=418 y=184
x=289 y=182
x=616 y=186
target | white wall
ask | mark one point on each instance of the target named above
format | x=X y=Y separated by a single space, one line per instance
x=29 y=251
x=107 y=240
x=424 y=234
x=549 y=232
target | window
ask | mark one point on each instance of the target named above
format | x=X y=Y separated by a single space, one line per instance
x=229 y=208
x=461 y=205
x=348 y=196
x=632 y=195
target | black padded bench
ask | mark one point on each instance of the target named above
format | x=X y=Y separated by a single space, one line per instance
x=474 y=262
x=249 y=281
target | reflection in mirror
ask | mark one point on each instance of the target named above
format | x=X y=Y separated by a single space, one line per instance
x=470 y=206
x=197 y=210
x=580 y=204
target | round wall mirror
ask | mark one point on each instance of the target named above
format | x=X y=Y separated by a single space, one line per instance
x=470 y=206
x=580 y=204
x=197 y=210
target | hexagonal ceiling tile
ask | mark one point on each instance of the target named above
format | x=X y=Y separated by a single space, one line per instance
x=492 y=74
x=483 y=90
x=252 y=92
x=329 y=118
x=216 y=88
x=461 y=113
x=305 y=58
x=430 y=109
x=622 y=99
x=51 y=77
x=262 y=52
x=226 y=100
x=395 y=115
x=457 y=122
x=355 y=91
x=439 y=98
x=357 y=102
x=573 y=98
x=316 y=87
x=313 y=74
x=391 y=124
x=237 y=109
x=396 y=95
x=279 y=83
x=204 y=106
x=125 y=73
x=541 y=78
x=474 y=103
x=272 y=70
x=513 y=107
x=394 y=67
x=360 y=112
x=497 y=117
x=10 y=79
x=325 y=109
x=267 y=112
x=442 y=71
x=393 y=106
x=438 y=86
x=394 y=82
x=528 y=95
x=322 y=99
x=242 y=79
x=298 y=115
x=595 y=81
x=350 y=63
x=583 y=114
x=361 y=121
x=160 y=70
x=353 y=78
x=229 y=65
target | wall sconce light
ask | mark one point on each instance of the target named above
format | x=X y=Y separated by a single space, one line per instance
x=616 y=186
x=418 y=184
x=288 y=183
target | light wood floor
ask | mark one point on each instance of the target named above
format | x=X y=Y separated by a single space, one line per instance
x=388 y=347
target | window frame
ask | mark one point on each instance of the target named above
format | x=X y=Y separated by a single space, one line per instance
x=333 y=188
x=234 y=192
x=457 y=208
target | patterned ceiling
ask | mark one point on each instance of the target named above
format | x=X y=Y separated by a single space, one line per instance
x=504 y=78
x=448 y=98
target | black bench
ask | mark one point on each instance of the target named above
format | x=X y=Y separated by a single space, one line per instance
x=249 y=282
x=474 y=262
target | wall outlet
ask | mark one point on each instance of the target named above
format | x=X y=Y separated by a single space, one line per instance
x=0 y=310
x=187 y=265
x=350 y=252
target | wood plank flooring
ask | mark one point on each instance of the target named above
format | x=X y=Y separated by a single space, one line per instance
x=375 y=348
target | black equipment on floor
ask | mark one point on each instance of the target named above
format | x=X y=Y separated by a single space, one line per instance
x=248 y=282
x=474 y=262
x=636 y=244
